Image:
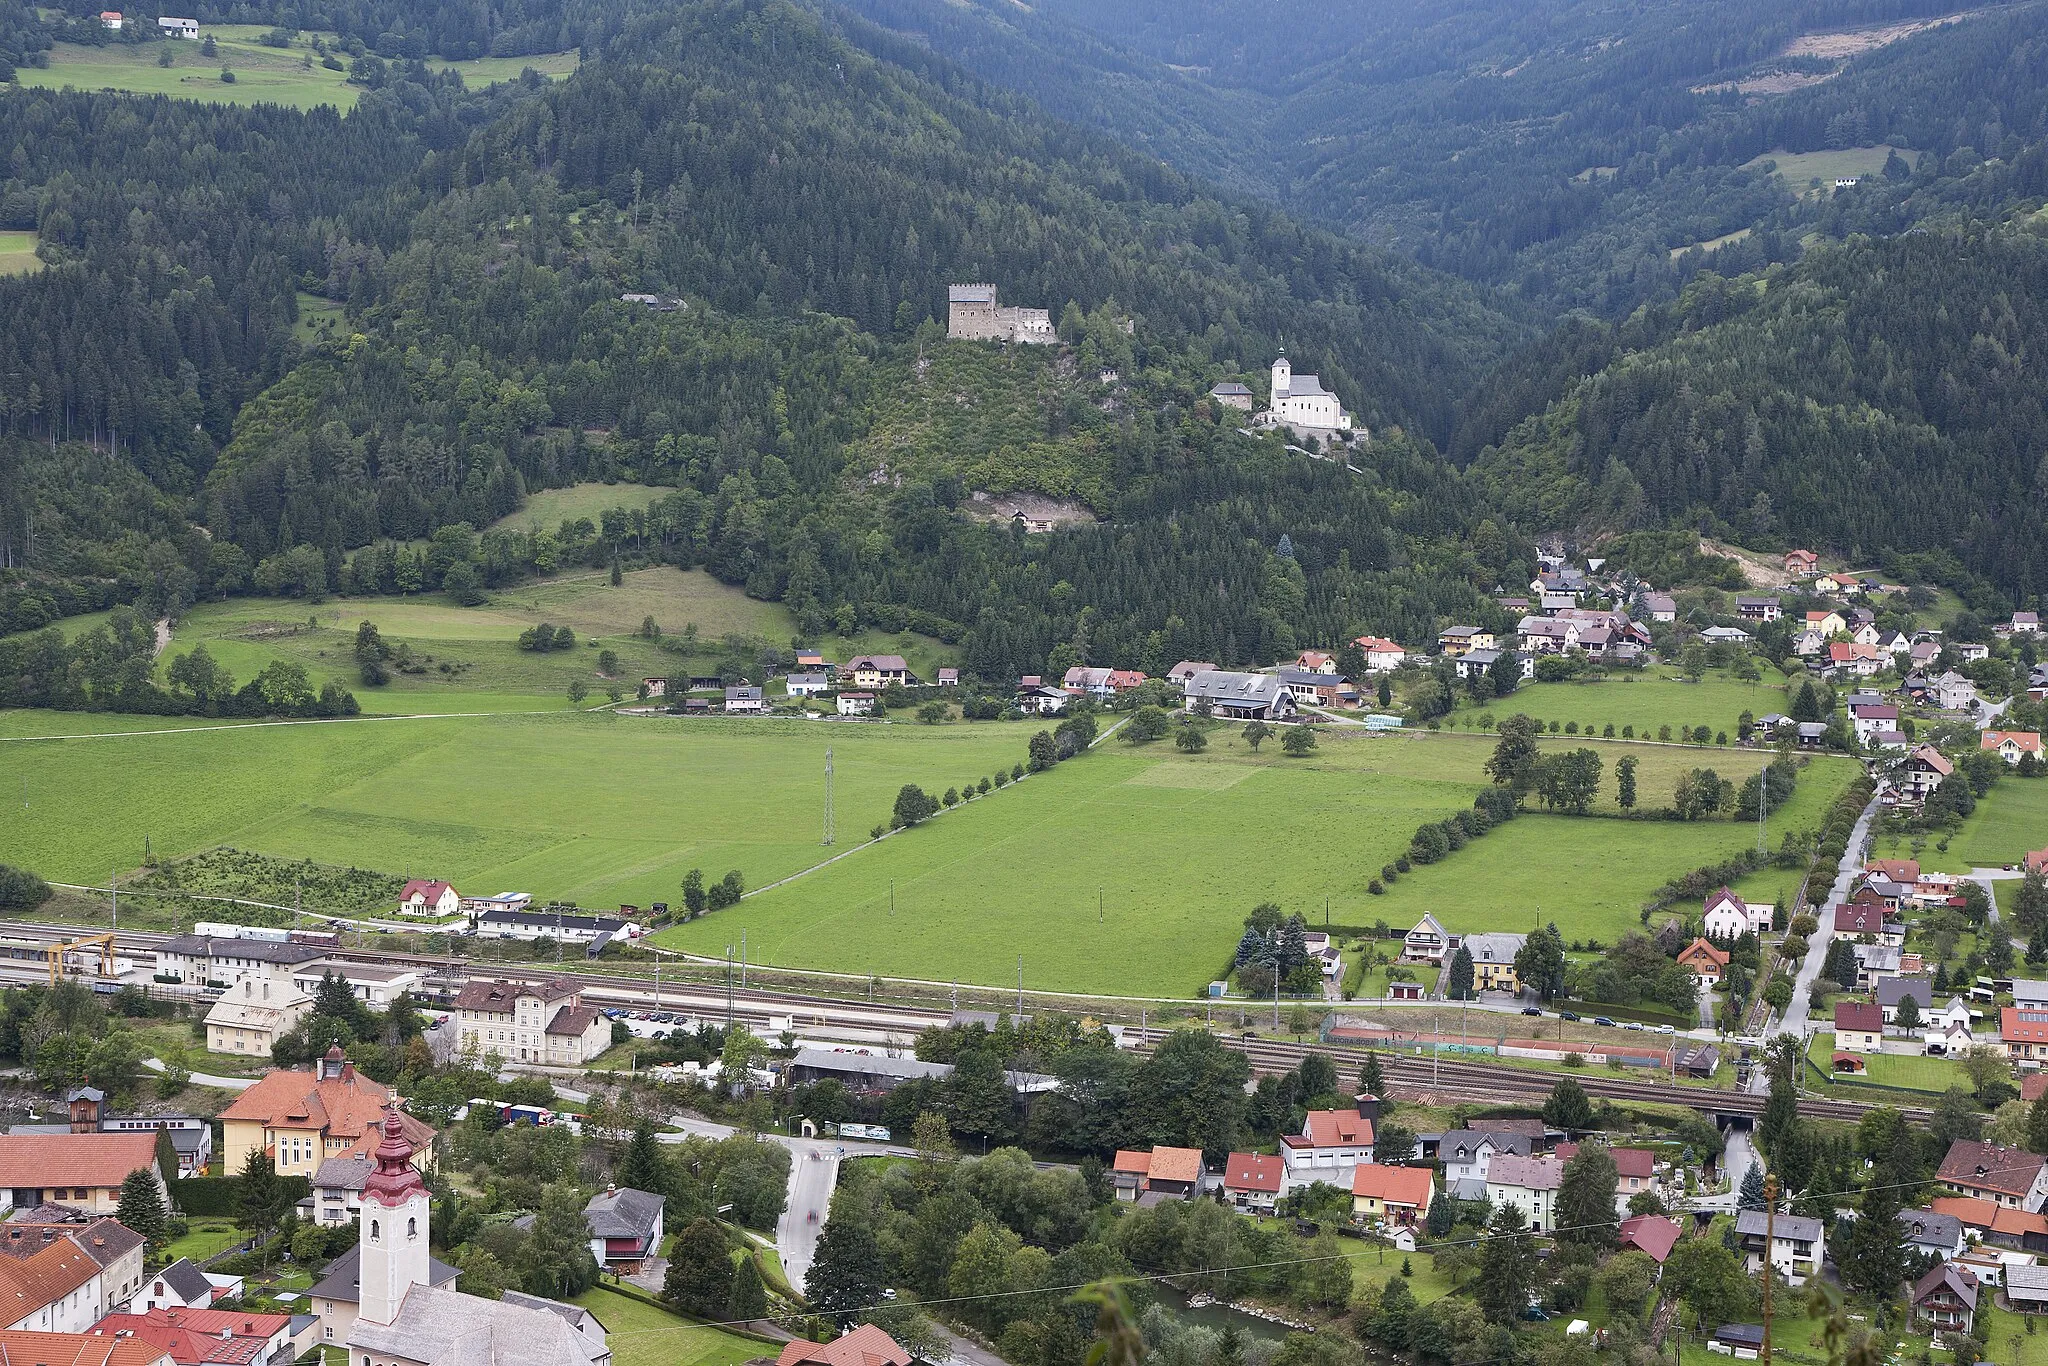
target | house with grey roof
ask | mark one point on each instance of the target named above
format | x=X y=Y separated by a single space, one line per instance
x=1239 y=696
x=625 y=1225
x=1797 y=1245
x=181 y=1285
x=1892 y=990
x=337 y=1190
x=1937 y=1235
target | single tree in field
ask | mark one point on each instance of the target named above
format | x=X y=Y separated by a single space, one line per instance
x=693 y=892
x=1625 y=783
x=1298 y=741
x=578 y=690
x=1256 y=733
x=1190 y=740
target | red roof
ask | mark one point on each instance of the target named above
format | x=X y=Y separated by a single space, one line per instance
x=866 y=1345
x=194 y=1336
x=429 y=890
x=1640 y=1163
x=76 y=1349
x=1253 y=1172
x=102 y=1160
x=1702 y=950
x=1977 y=1212
x=1651 y=1233
x=2026 y=741
x=46 y=1276
x=2022 y=1024
x=1336 y=1129
x=2032 y=1086
x=1860 y=1017
x=1902 y=870
x=1391 y=1185
x=1865 y=917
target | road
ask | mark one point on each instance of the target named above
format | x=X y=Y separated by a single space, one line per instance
x=1795 y=1020
x=206 y=1079
x=1737 y=1158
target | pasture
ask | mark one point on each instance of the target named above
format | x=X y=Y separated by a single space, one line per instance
x=608 y=809
x=470 y=655
x=643 y=1334
x=2010 y=821
x=1799 y=170
x=1133 y=871
x=18 y=253
x=1647 y=700
x=263 y=74
x=549 y=508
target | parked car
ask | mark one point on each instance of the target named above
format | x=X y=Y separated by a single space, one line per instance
x=1666 y=1029
x=1603 y=1022
x=1632 y=1024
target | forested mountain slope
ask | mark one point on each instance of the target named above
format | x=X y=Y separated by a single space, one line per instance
x=1880 y=395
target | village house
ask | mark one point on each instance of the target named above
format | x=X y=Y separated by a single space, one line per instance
x=1101 y=684
x=1427 y=942
x=2024 y=1032
x=203 y=1337
x=2004 y=1176
x=1847 y=657
x=1859 y=918
x=1180 y=673
x=1660 y=606
x=1457 y=640
x=1871 y=719
x=337 y=1196
x=1319 y=689
x=178 y=28
x=866 y=1345
x=1251 y=1181
x=807 y=684
x=1726 y=917
x=1726 y=635
x=1635 y=1172
x=1925 y=769
x=115 y=1249
x=1493 y=960
x=2010 y=745
x=1473 y=663
x=1381 y=655
x=1330 y=1144
x=1708 y=963
x=1952 y=692
x=1547 y=635
x=1231 y=394
x=1390 y=1195
x=1798 y=1245
x=1650 y=1234
x=54 y=1289
x=1466 y=1154
x=212 y=961
x=1801 y=562
x=254 y=1014
x=745 y=699
x=563 y=926
x=1826 y=624
x=81 y=1171
x=1859 y=1027
x=1894 y=990
x=1937 y=1235
x=876 y=671
x=1758 y=608
x=1999 y=1225
x=1240 y=696
x=371 y=983
x=300 y=1119
x=856 y=704
x=1146 y=1178
x=1530 y=1184
x=533 y=1022
x=425 y=897
x=1945 y=1299
x=181 y=1285
x=625 y=1227
x=2023 y=624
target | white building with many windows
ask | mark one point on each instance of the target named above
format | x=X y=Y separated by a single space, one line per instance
x=538 y=1022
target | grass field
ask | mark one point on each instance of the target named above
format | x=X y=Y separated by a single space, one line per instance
x=549 y=508
x=2010 y=821
x=594 y=806
x=1933 y=1075
x=1646 y=701
x=204 y=1237
x=320 y=319
x=262 y=74
x=475 y=663
x=18 y=253
x=641 y=1334
x=1800 y=169
x=1178 y=849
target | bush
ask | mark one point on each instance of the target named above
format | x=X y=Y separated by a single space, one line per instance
x=1375 y=888
x=22 y=890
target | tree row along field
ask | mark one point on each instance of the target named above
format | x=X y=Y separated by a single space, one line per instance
x=608 y=809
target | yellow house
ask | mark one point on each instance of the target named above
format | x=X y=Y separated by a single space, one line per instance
x=1493 y=960
x=303 y=1118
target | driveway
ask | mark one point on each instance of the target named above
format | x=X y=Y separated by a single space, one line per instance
x=1737 y=1158
x=1795 y=1021
x=206 y=1079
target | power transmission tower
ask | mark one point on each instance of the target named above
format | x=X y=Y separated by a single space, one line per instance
x=830 y=833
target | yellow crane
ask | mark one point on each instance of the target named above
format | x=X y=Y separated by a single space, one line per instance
x=102 y=943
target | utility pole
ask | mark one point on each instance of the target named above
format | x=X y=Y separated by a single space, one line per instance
x=743 y=957
x=1770 y=1220
x=1020 y=986
x=1763 y=782
x=114 y=887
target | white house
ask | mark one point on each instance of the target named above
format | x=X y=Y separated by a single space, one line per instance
x=1727 y=916
x=534 y=1022
x=1528 y=1183
x=745 y=700
x=1952 y=691
x=1466 y=1154
x=178 y=28
x=856 y=704
x=1330 y=1145
x=807 y=684
x=429 y=897
x=1426 y=943
x=1798 y=1245
x=373 y=983
x=1381 y=655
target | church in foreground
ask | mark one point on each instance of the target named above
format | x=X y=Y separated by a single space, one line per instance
x=405 y=1319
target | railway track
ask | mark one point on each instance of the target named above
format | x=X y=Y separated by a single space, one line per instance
x=856 y=1021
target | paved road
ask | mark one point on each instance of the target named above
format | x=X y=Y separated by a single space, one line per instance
x=1737 y=1158
x=1795 y=1021
x=1984 y=877
x=206 y=1079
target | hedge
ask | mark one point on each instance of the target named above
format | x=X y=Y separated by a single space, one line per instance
x=217 y=1195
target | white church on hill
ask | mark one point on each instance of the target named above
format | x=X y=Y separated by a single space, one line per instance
x=1301 y=402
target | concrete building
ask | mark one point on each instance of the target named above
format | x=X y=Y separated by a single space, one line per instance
x=255 y=1013
x=535 y=1022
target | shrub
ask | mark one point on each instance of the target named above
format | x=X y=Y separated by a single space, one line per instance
x=1374 y=888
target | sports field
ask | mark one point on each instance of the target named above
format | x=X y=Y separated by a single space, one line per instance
x=472 y=658
x=262 y=74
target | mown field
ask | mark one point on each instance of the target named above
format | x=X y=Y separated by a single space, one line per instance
x=642 y=1334
x=1648 y=700
x=263 y=75
x=472 y=658
x=2010 y=821
x=609 y=809
x=1132 y=871
x=18 y=253
x=549 y=508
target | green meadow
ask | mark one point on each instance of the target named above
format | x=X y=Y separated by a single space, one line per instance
x=1646 y=700
x=18 y=253
x=471 y=656
x=2010 y=822
x=263 y=74
x=1133 y=870
x=643 y=1334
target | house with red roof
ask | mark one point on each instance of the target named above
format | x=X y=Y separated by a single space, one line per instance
x=425 y=897
x=1330 y=1144
x=209 y=1337
x=1381 y=655
x=1146 y=1178
x=83 y=1171
x=303 y=1118
x=1801 y=562
x=1859 y=1027
x=1705 y=961
x=1651 y=1233
x=1865 y=914
x=55 y=1289
x=2011 y=745
x=2024 y=1032
x=78 y=1349
x=1390 y=1195
x=1252 y=1181
x=866 y=1345
x=2004 y=1176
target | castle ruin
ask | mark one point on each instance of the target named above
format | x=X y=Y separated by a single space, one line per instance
x=972 y=314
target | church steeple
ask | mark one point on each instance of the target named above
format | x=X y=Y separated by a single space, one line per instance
x=394 y=1226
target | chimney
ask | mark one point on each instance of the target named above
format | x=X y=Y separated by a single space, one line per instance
x=1368 y=1106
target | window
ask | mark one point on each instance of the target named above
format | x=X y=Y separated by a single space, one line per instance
x=376 y=1231
x=412 y=1228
